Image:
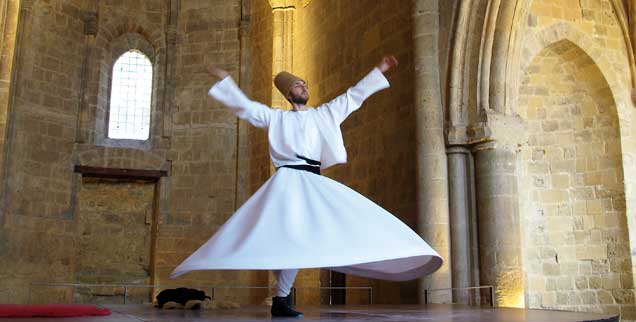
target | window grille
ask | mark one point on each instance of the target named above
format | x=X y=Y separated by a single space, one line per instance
x=130 y=97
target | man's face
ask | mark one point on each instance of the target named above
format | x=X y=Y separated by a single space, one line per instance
x=299 y=93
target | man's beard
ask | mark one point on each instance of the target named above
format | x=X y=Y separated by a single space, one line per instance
x=298 y=100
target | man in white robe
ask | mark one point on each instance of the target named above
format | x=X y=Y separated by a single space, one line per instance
x=299 y=219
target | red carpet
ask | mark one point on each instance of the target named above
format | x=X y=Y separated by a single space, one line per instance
x=59 y=310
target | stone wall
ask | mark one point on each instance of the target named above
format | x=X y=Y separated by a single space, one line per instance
x=9 y=18
x=120 y=27
x=37 y=227
x=204 y=146
x=114 y=222
x=53 y=128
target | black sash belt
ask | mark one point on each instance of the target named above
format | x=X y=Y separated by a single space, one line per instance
x=309 y=161
x=304 y=167
x=312 y=166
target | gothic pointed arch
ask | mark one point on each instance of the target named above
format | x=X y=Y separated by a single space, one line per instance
x=619 y=90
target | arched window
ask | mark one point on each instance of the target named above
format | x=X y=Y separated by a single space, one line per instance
x=130 y=97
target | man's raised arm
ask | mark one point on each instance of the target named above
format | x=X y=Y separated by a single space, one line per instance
x=342 y=106
x=227 y=92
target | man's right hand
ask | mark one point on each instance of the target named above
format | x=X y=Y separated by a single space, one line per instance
x=217 y=72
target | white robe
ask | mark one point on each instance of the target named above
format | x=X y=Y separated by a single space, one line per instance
x=298 y=219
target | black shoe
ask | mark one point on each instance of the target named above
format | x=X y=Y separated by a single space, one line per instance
x=282 y=307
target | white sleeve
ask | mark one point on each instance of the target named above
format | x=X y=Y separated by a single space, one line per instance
x=340 y=107
x=227 y=92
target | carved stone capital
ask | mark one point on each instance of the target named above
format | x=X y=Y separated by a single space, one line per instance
x=90 y=23
x=26 y=5
x=456 y=135
x=479 y=132
x=484 y=146
x=171 y=35
x=282 y=4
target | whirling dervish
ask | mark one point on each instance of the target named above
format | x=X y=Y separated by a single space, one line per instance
x=298 y=218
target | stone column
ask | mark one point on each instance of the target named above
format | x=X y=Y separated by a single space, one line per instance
x=499 y=223
x=502 y=15
x=82 y=114
x=282 y=50
x=460 y=222
x=242 y=127
x=19 y=13
x=432 y=181
x=631 y=17
x=4 y=11
x=169 y=101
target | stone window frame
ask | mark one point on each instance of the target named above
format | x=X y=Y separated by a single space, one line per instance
x=121 y=45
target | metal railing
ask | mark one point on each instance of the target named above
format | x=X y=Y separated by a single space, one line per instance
x=491 y=292
x=368 y=288
x=212 y=288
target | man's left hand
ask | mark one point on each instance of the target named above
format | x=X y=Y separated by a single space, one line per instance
x=387 y=62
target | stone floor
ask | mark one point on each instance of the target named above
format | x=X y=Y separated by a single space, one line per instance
x=378 y=313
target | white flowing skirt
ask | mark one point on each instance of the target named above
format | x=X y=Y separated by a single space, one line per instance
x=298 y=219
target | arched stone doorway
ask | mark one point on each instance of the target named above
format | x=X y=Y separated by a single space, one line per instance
x=572 y=198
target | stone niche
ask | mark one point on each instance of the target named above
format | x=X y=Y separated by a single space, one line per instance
x=571 y=182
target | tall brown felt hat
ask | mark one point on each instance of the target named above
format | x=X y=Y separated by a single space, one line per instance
x=284 y=82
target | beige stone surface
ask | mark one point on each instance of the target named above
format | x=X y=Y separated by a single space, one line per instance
x=539 y=91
